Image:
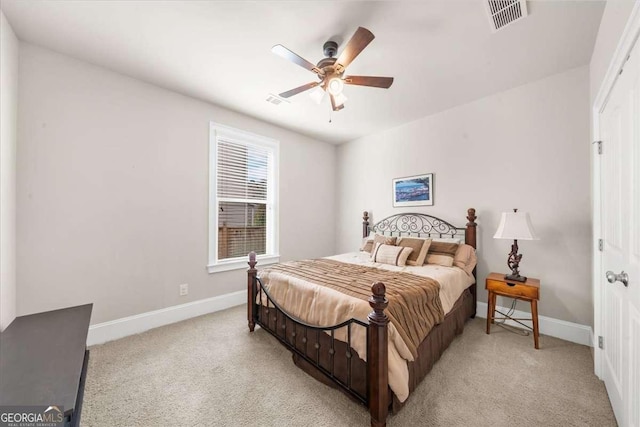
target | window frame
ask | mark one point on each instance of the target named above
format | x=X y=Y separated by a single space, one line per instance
x=221 y=132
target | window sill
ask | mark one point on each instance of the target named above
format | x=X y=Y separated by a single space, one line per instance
x=240 y=264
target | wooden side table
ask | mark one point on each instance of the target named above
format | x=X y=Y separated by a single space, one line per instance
x=496 y=284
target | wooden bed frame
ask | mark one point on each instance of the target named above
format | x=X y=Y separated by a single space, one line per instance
x=296 y=334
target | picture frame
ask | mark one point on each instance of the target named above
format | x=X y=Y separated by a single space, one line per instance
x=414 y=190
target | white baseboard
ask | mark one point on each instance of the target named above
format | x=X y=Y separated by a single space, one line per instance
x=120 y=328
x=568 y=331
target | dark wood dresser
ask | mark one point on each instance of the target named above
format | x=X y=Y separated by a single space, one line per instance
x=43 y=360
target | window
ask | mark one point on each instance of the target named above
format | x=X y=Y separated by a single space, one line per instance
x=243 y=214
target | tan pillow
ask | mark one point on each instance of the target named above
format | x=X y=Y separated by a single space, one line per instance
x=420 y=248
x=443 y=260
x=465 y=258
x=392 y=255
x=442 y=253
x=385 y=240
x=367 y=244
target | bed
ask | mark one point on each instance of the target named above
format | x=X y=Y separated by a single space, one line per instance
x=362 y=345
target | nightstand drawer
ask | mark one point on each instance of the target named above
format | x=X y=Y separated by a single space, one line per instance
x=518 y=289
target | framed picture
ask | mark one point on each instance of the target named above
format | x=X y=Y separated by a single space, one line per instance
x=413 y=191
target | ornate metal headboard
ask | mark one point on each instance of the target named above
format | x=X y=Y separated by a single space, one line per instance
x=417 y=224
x=421 y=225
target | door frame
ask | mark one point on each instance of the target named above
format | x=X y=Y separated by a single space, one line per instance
x=630 y=34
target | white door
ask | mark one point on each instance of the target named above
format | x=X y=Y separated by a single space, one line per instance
x=620 y=167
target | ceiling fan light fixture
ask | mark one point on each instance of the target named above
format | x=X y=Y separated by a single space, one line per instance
x=317 y=94
x=335 y=86
x=340 y=99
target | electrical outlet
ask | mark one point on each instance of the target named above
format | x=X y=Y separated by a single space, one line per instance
x=184 y=289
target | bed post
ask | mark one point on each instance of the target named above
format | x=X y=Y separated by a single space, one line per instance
x=470 y=239
x=377 y=357
x=470 y=233
x=251 y=291
x=365 y=224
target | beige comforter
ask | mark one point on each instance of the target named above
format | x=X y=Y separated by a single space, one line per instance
x=327 y=292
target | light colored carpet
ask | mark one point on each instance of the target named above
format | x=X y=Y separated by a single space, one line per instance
x=210 y=371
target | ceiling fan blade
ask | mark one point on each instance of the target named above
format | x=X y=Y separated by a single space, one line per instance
x=296 y=59
x=358 y=42
x=297 y=90
x=335 y=107
x=383 y=82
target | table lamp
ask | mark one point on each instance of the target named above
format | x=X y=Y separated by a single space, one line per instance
x=517 y=226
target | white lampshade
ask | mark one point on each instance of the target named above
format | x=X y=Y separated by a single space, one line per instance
x=515 y=226
x=317 y=94
x=340 y=99
x=335 y=86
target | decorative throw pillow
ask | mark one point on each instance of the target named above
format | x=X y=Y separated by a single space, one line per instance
x=374 y=251
x=367 y=244
x=465 y=258
x=442 y=253
x=385 y=240
x=392 y=255
x=420 y=248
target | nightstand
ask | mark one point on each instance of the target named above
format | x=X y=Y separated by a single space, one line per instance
x=496 y=284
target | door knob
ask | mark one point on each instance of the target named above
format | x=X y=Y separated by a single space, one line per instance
x=622 y=277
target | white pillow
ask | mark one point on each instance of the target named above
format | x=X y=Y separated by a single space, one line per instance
x=457 y=240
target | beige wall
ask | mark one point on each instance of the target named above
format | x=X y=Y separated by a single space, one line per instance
x=614 y=18
x=112 y=183
x=525 y=148
x=8 y=141
x=113 y=194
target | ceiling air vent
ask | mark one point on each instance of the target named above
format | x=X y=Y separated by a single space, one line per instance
x=275 y=99
x=505 y=12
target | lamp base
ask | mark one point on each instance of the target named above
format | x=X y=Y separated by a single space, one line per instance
x=515 y=278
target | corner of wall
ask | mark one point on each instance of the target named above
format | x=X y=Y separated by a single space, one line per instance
x=8 y=146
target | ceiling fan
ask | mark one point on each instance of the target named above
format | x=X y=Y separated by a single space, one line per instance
x=330 y=71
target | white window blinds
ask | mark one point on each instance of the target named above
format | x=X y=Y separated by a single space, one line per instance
x=243 y=172
x=243 y=198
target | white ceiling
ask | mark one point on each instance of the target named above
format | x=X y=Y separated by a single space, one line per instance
x=441 y=53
